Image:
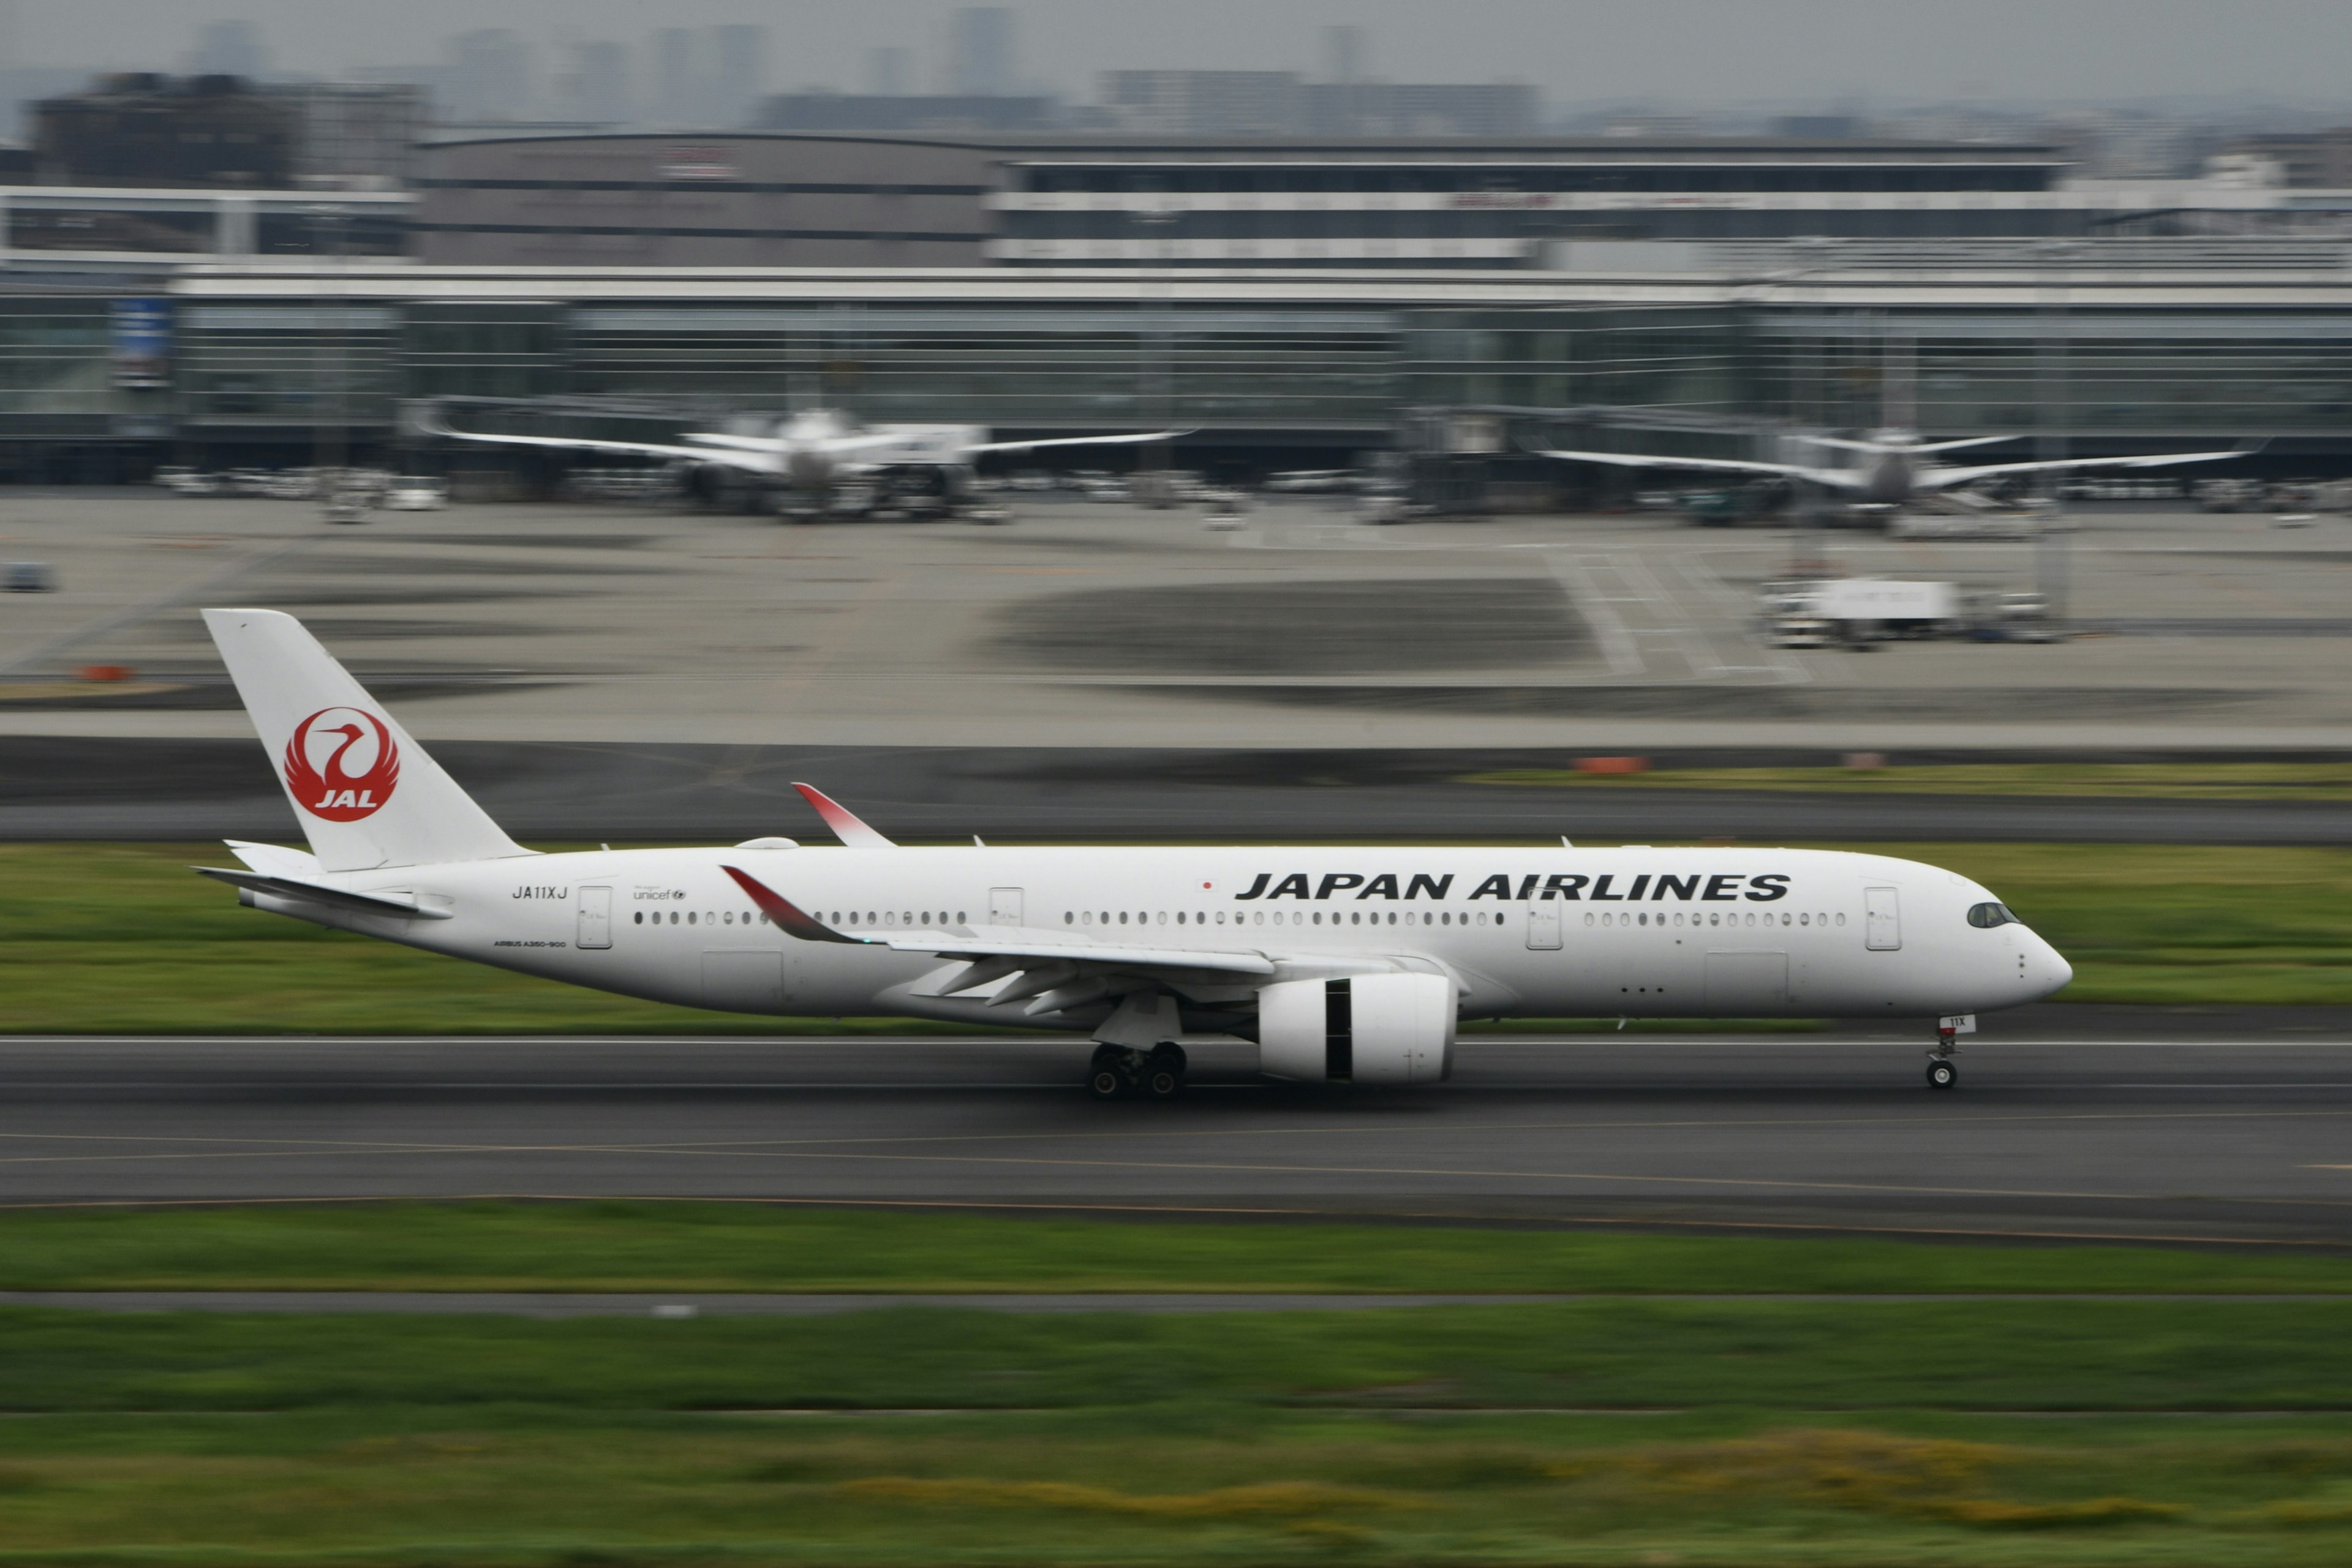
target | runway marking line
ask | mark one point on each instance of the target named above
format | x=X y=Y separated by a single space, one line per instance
x=1456 y=1172
x=1129 y=1134
x=289 y=1149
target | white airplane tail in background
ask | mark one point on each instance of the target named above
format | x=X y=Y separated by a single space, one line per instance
x=365 y=793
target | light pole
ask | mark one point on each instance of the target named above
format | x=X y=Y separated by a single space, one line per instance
x=329 y=437
x=1154 y=344
x=2051 y=394
x=1809 y=398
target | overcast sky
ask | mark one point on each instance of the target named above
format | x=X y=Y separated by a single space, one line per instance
x=1871 y=52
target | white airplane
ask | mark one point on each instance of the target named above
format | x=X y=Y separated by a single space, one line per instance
x=1893 y=466
x=814 y=450
x=1342 y=965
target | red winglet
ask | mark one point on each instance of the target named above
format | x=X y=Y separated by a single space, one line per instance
x=795 y=921
x=845 y=823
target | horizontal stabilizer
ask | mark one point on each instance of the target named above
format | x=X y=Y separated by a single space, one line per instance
x=274 y=859
x=319 y=893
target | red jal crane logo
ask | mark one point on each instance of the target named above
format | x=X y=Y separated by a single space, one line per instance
x=334 y=791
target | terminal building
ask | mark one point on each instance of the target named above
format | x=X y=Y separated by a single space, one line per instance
x=1291 y=301
x=225 y=363
x=1127 y=201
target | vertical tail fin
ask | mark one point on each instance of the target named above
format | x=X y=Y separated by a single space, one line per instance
x=365 y=793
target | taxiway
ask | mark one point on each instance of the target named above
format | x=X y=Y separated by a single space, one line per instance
x=2221 y=1135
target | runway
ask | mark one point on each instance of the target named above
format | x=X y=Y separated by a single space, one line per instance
x=2221 y=1135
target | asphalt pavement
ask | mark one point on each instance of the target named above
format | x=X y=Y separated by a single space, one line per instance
x=2197 y=1131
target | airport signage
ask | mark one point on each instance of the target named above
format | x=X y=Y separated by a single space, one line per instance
x=683 y=162
x=142 y=343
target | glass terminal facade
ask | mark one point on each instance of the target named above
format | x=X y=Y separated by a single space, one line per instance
x=1273 y=362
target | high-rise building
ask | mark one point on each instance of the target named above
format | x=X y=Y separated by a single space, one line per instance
x=1346 y=59
x=140 y=129
x=738 y=73
x=889 y=72
x=1203 y=103
x=934 y=112
x=674 y=88
x=489 y=76
x=355 y=134
x=597 y=86
x=980 y=52
x=2309 y=158
x=1419 y=109
x=228 y=49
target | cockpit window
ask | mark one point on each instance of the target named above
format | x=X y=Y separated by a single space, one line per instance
x=1990 y=915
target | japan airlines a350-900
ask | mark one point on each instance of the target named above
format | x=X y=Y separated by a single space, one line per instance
x=1342 y=965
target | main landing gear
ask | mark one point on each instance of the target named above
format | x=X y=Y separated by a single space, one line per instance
x=1942 y=1071
x=1120 y=1073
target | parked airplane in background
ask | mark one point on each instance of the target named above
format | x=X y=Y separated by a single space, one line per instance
x=814 y=451
x=1343 y=965
x=1892 y=466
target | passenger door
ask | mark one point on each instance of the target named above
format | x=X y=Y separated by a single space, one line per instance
x=1543 y=926
x=1882 y=920
x=1005 y=906
x=595 y=918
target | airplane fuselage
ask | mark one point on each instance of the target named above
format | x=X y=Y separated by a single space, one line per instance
x=1676 y=932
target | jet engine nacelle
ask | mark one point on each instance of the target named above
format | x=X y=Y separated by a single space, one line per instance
x=1365 y=1028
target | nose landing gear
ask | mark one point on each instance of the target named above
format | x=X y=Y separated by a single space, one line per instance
x=1120 y=1073
x=1942 y=1071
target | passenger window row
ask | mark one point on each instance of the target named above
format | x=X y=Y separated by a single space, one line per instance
x=1712 y=918
x=1294 y=916
x=698 y=917
x=893 y=918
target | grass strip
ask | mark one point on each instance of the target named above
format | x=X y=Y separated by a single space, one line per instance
x=2004 y=1353
x=1775 y=1433
x=2187 y=780
x=713 y=1247
x=120 y=938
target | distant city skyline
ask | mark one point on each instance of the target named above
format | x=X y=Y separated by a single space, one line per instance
x=1864 y=55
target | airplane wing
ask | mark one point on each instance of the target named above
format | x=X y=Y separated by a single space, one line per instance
x=1970 y=441
x=1134 y=440
x=1051 y=976
x=737 y=443
x=750 y=461
x=1835 y=478
x=845 y=823
x=1945 y=478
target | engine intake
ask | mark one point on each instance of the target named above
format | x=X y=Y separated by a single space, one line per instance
x=1366 y=1028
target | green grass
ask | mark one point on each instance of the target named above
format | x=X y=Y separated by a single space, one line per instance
x=121 y=938
x=646 y=1246
x=2016 y=1427
x=2181 y=780
x=1774 y=1432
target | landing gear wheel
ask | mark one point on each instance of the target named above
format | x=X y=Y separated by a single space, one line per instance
x=1163 y=1072
x=1942 y=1073
x=1110 y=1076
